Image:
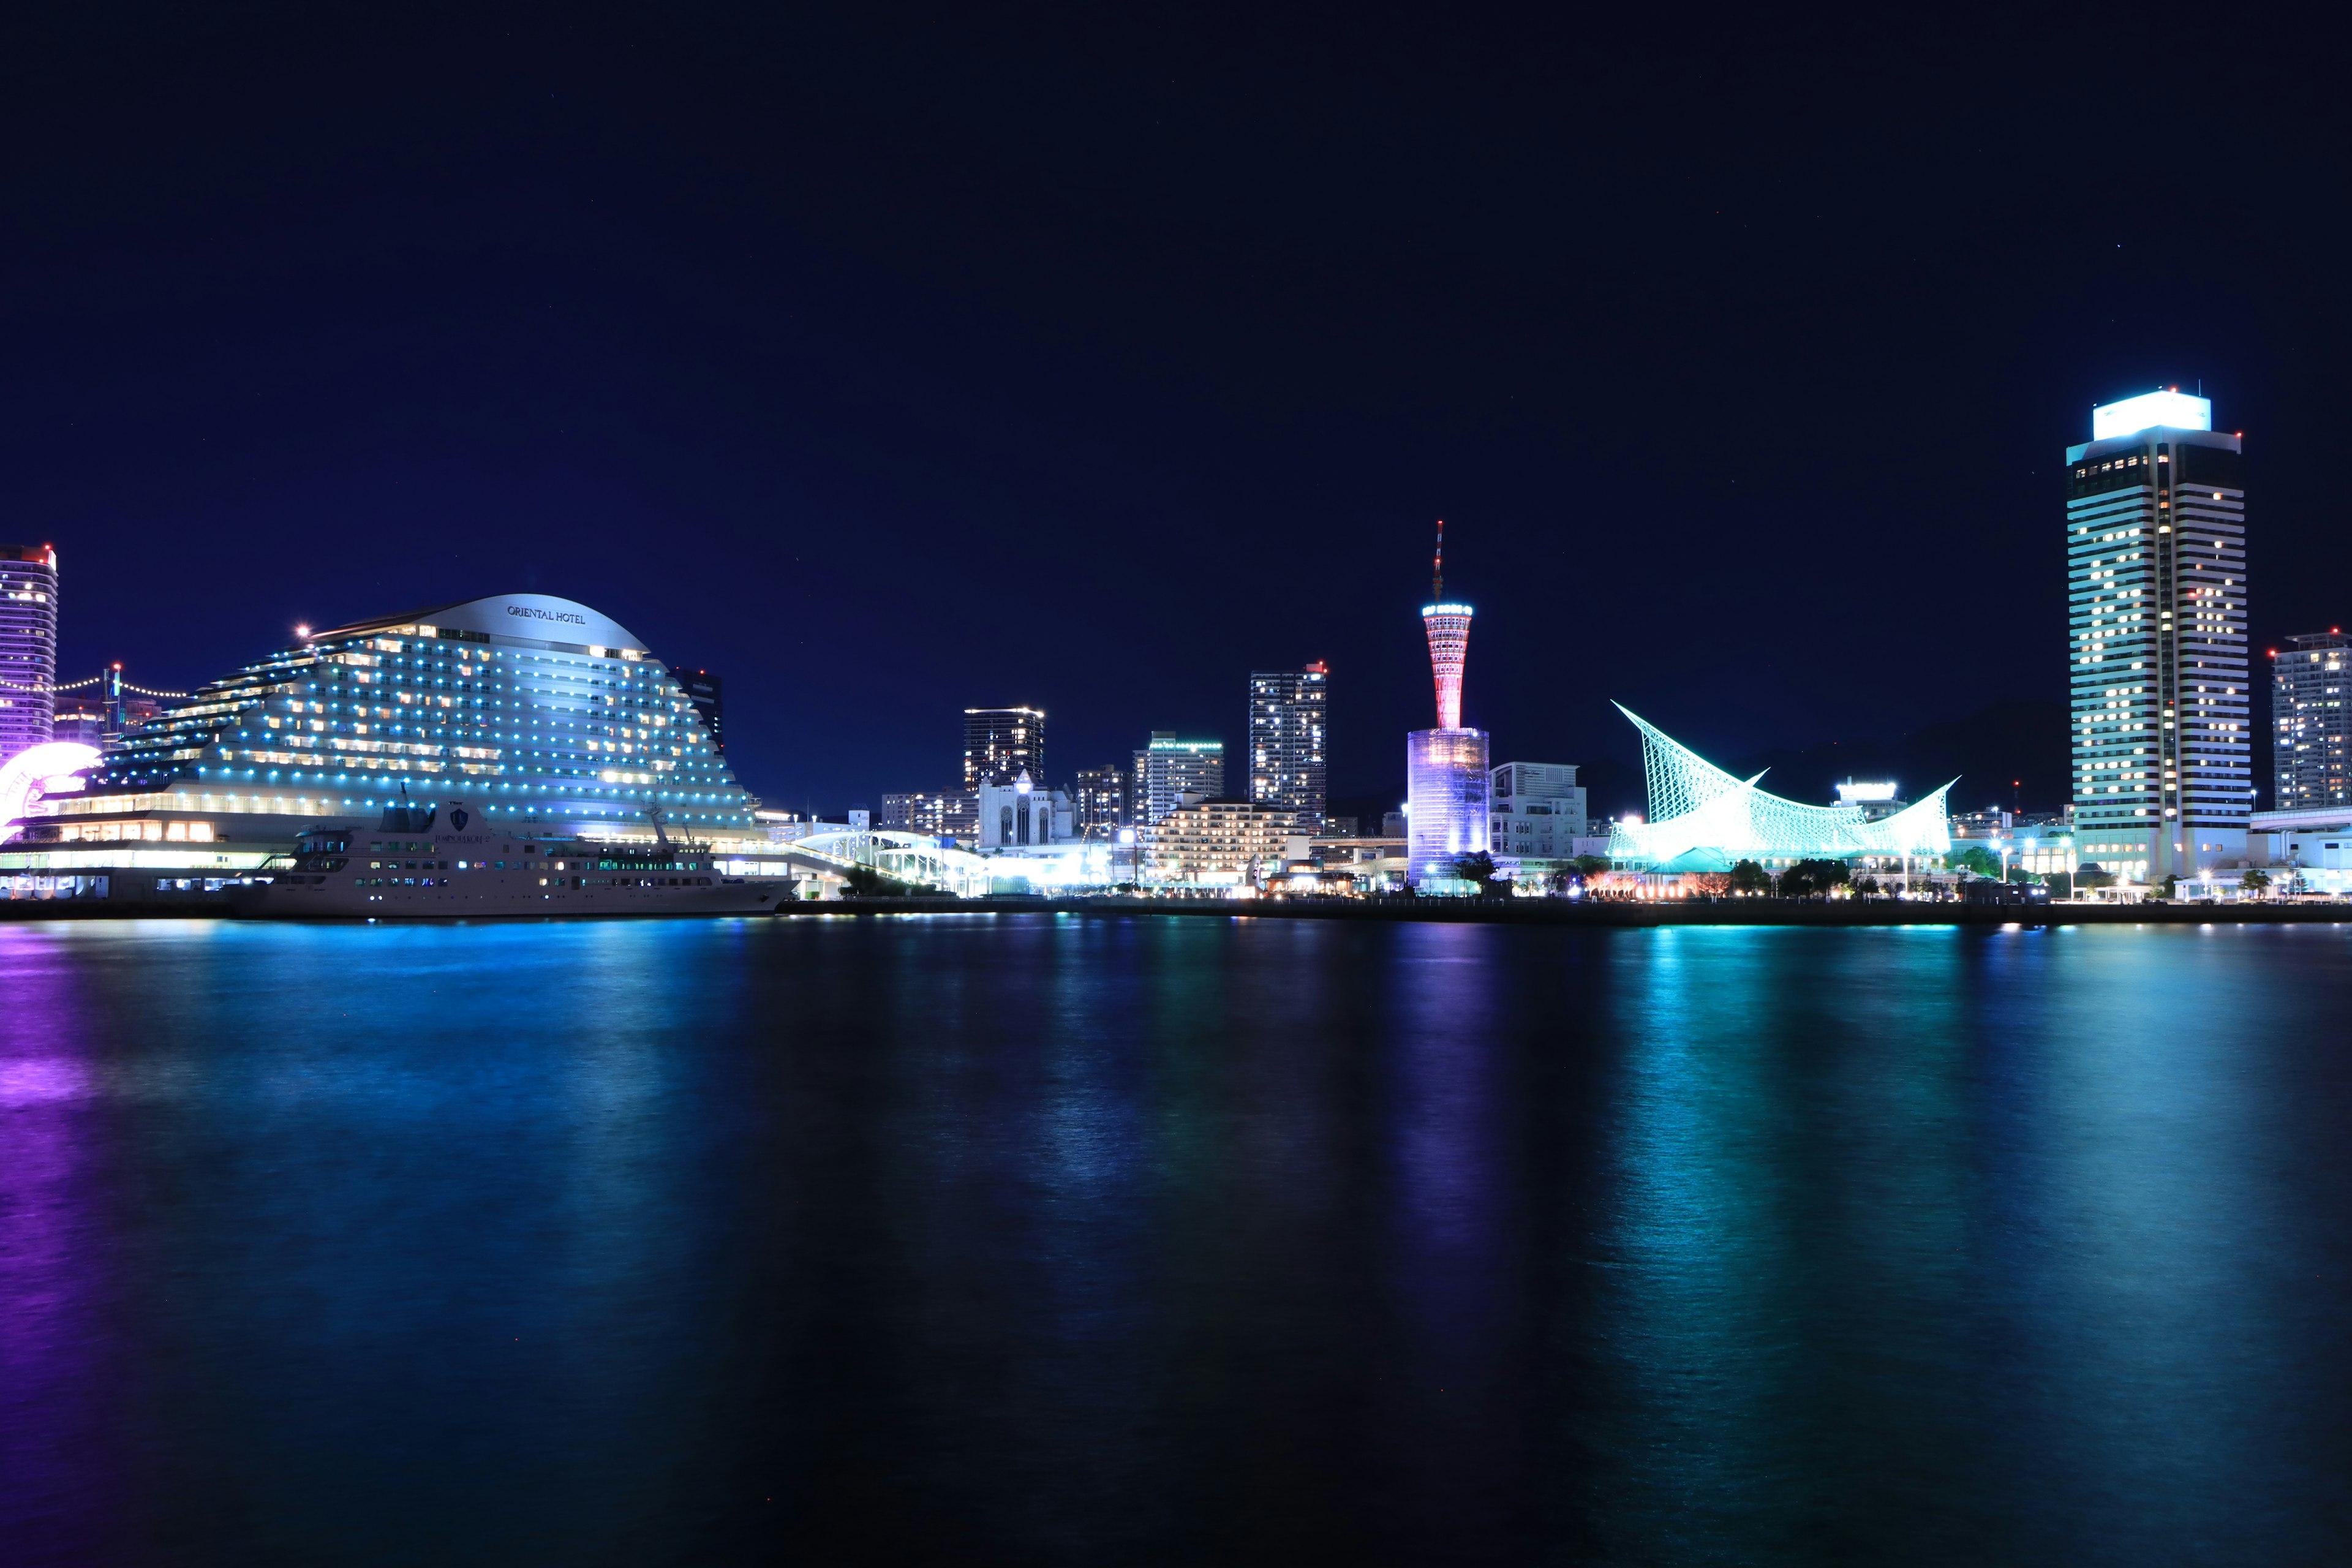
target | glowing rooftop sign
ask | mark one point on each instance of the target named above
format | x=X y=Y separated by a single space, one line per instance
x=1851 y=793
x=2175 y=408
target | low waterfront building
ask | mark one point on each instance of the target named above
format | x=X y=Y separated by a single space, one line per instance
x=1535 y=811
x=1217 y=843
x=1019 y=813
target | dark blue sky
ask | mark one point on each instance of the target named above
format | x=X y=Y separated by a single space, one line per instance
x=897 y=363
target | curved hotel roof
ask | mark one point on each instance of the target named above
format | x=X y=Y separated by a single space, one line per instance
x=1703 y=818
x=544 y=714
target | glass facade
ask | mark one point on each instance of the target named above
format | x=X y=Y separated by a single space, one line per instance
x=540 y=735
x=1446 y=778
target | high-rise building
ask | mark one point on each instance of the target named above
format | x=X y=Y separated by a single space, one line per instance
x=2156 y=576
x=1447 y=774
x=1286 y=746
x=1001 y=744
x=1169 y=769
x=1102 y=803
x=707 y=693
x=28 y=645
x=2311 y=742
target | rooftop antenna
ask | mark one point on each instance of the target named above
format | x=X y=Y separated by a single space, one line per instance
x=1437 y=567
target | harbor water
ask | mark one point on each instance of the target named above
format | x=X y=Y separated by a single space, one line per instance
x=1037 y=1239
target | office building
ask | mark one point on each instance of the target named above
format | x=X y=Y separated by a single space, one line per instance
x=29 y=645
x=1021 y=814
x=2156 y=552
x=950 y=815
x=1217 y=843
x=1535 y=811
x=1169 y=768
x=1446 y=769
x=1102 y=802
x=1286 y=720
x=1002 y=743
x=709 y=695
x=2310 y=721
x=539 y=716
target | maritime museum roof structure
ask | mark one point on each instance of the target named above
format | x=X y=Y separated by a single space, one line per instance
x=542 y=714
x=1703 y=818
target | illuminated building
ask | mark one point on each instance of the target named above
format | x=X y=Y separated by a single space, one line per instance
x=1285 y=740
x=950 y=815
x=543 y=715
x=1102 y=803
x=1446 y=769
x=1705 y=819
x=2313 y=722
x=1020 y=813
x=999 y=744
x=1217 y=843
x=2156 y=552
x=707 y=692
x=1169 y=768
x=28 y=645
x=1535 y=811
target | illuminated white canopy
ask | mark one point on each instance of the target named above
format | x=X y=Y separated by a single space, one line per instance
x=1698 y=813
x=2174 y=409
x=50 y=768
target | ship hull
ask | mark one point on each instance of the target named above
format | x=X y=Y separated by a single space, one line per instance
x=472 y=894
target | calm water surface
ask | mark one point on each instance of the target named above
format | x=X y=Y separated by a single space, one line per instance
x=1021 y=1239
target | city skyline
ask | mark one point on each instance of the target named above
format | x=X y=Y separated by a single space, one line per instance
x=1215 y=313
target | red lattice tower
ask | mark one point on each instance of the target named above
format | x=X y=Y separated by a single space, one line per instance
x=1449 y=641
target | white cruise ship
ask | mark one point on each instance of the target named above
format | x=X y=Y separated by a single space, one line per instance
x=447 y=862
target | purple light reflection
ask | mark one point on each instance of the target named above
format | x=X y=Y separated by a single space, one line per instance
x=56 y=1470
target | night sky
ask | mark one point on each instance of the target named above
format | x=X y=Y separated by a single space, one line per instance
x=892 y=363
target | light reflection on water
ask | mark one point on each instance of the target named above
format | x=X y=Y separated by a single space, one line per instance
x=1029 y=1239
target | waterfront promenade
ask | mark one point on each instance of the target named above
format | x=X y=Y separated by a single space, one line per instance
x=1601 y=912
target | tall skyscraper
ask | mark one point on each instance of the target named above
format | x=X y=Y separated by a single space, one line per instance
x=1286 y=746
x=1446 y=769
x=2155 y=577
x=1169 y=768
x=28 y=645
x=1001 y=744
x=2311 y=742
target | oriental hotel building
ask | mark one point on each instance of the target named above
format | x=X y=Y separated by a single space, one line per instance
x=542 y=714
x=2156 y=581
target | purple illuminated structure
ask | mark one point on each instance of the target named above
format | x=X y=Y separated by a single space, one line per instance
x=1445 y=768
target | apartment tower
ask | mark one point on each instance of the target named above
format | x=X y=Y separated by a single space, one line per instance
x=1286 y=738
x=28 y=645
x=2311 y=739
